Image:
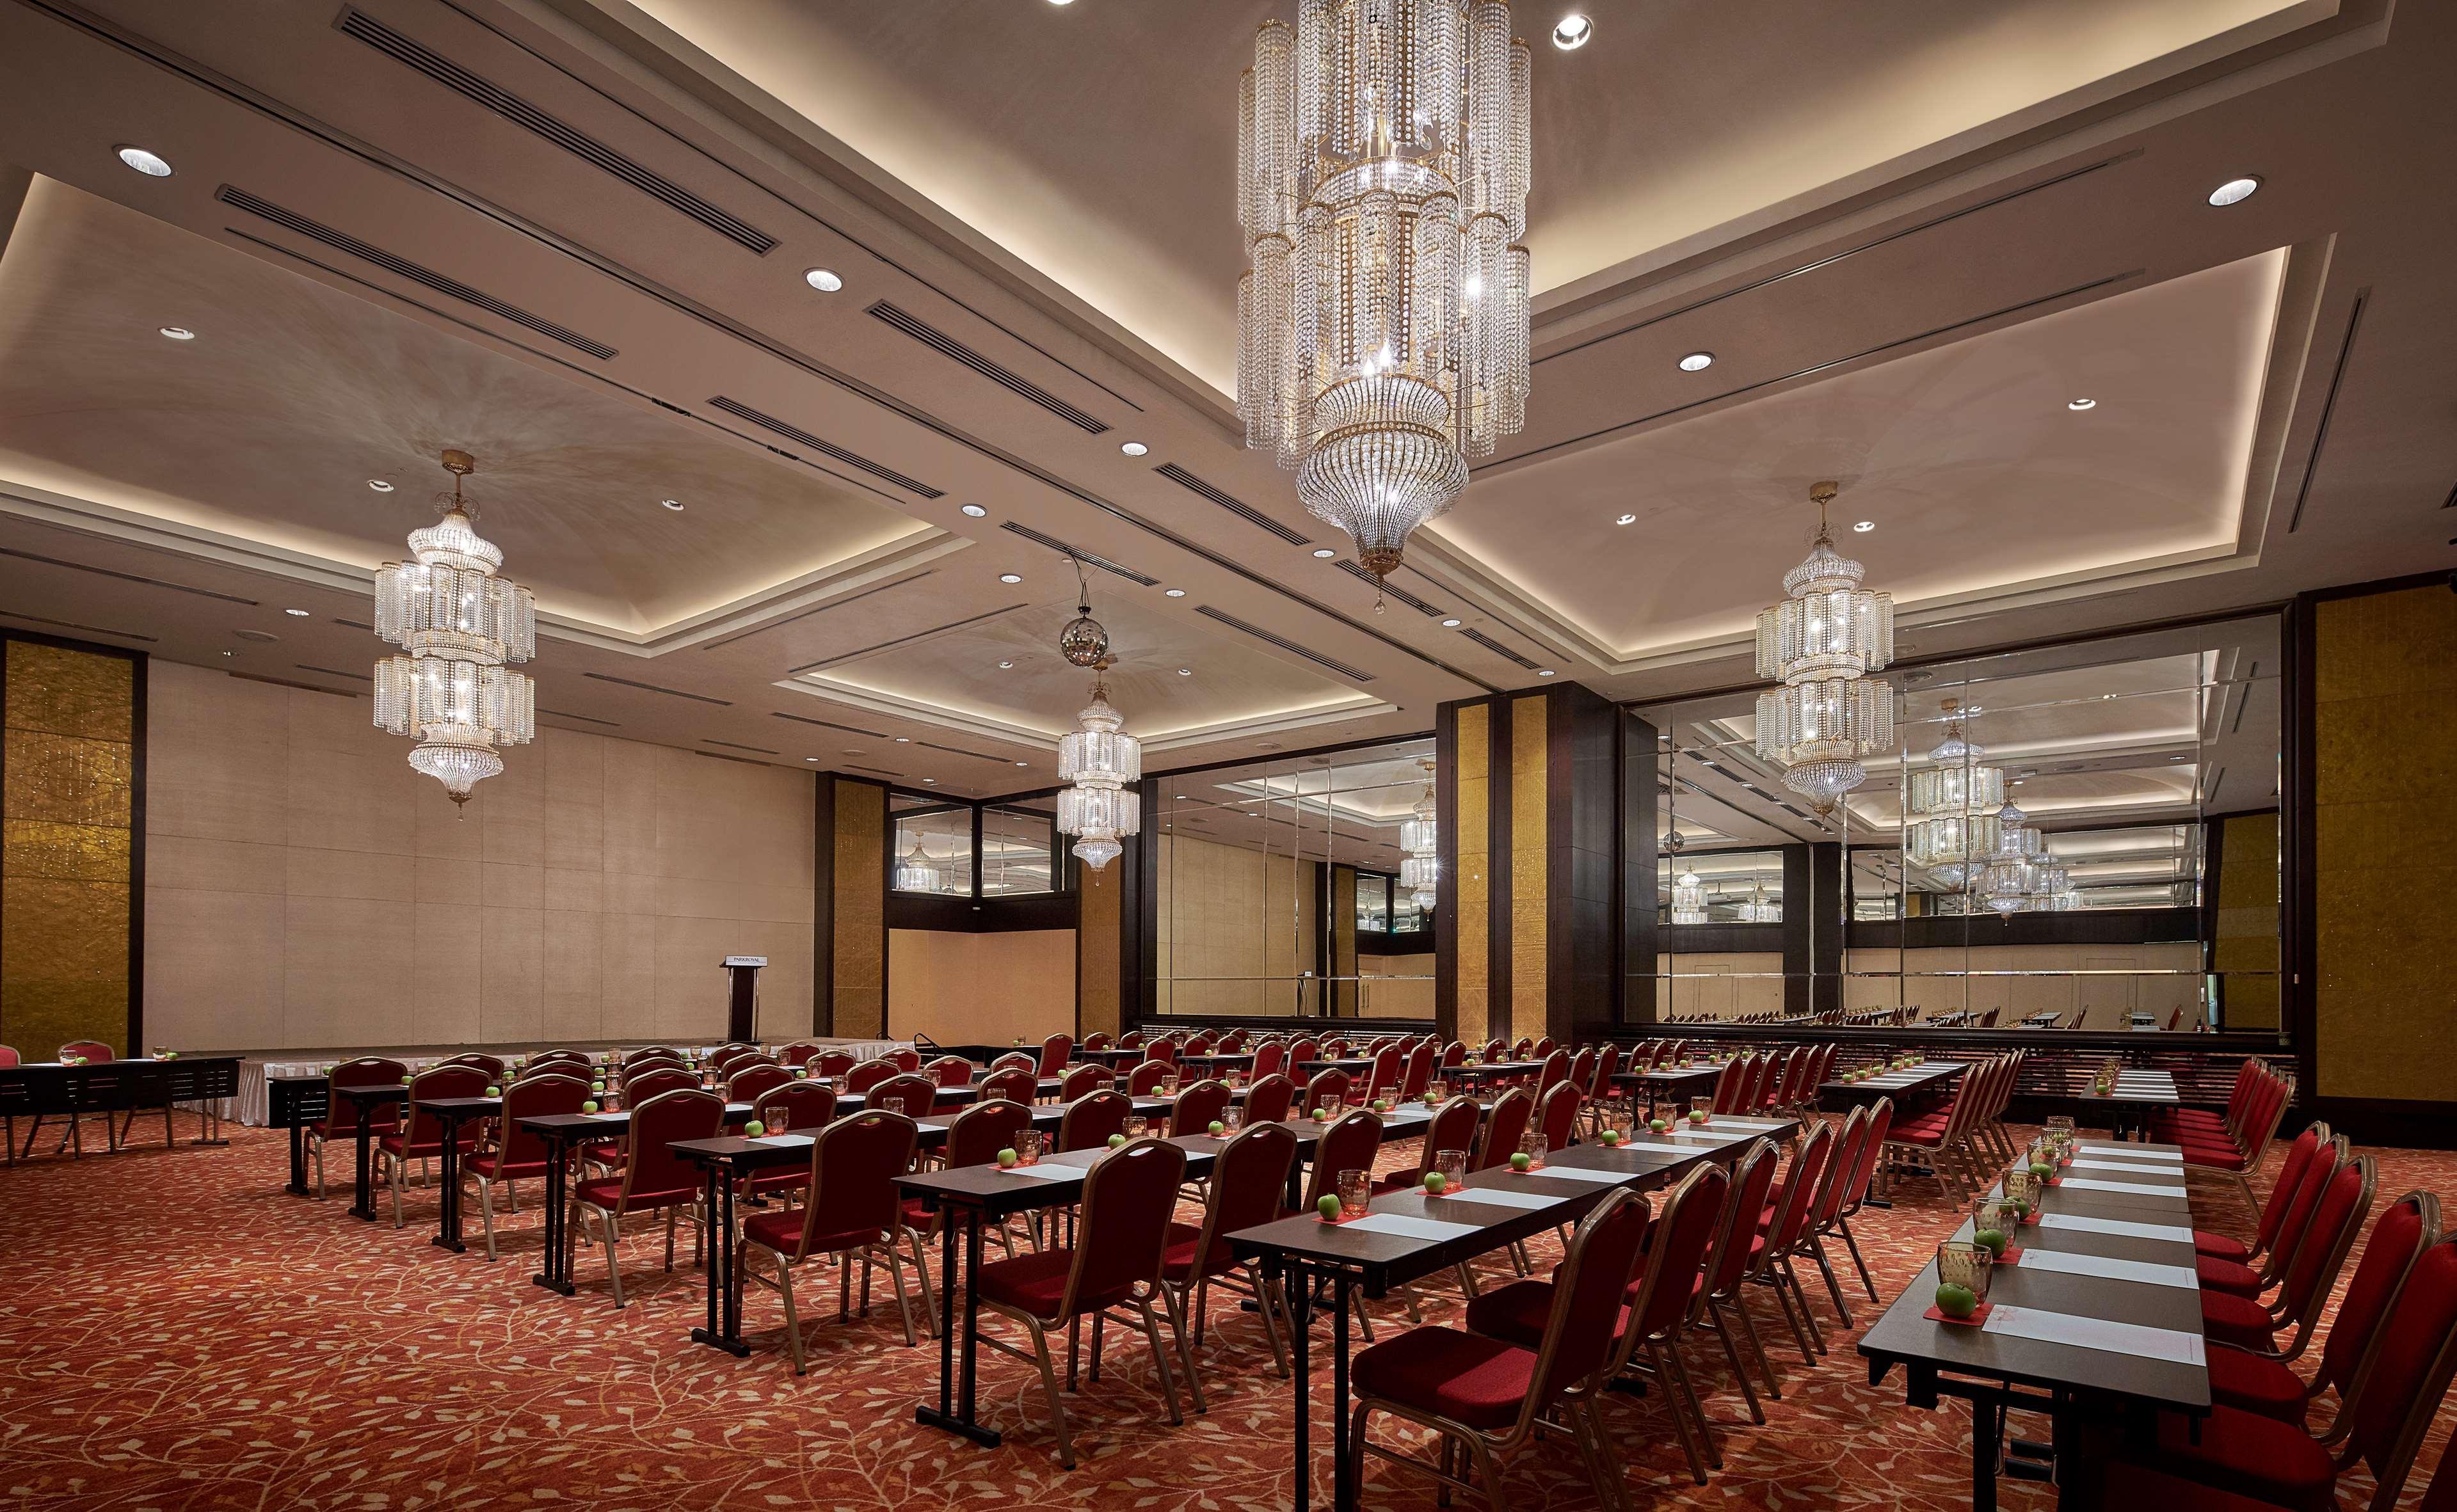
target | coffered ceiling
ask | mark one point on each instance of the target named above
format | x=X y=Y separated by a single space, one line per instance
x=570 y=235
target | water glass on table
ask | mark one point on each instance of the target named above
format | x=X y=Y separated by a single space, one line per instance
x=1356 y=1191
x=1452 y=1165
x=1531 y=1146
x=1028 y=1147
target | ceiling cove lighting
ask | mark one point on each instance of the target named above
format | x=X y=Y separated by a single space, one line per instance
x=823 y=280
x=1324 y=553
x=1821 y=640
x=1098 y=759
x=2234 y=192
x=178 y=333
x=1572 y=32
x=459 y=623
x=1697 y=362
x=1382 y=321
x=152 y=165
x=1627 y=520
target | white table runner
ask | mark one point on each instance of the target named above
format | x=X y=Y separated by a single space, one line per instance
x=2140 y=1188
x=1584 y=1173
x=2113 y=1270
x=2173 y=1157
x=2116 y=1226
x=1407 y=1227
x=1046 y=1172
x=2096 y=1333
x=1500 y=1197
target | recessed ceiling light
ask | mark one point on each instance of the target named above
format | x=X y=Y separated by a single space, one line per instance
x=929 y=782
x=1697 y=362
x=1024 y=763
x=296 y=614
x=151 y=164
x=823 y=280
x=1174 y=593
x=230 y=653
x=1450 y=625
x=379 y=485
x=1010 y=577
x=2082 y=404
x=1627 y=520
x=1570 y=32
x=1865 y=527
x=1003 y=665
x=976 y=511
x=1133 y=448
x=675 y=504
x=1547 y=672
x=904 y=740
x=2234 y=192
x=1324 y=553
x=1185 y=671
x=178 y=333
x=809 y=758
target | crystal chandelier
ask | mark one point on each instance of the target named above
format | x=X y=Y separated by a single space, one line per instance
x=1952 y=806
x=459 y=623
x=2010 y=876
x=1100 y=758
x=1689 y=899
x=914 y=871
x=1821 y=640
x=1761 y=908
x=1420 y=837
x=1382 y=170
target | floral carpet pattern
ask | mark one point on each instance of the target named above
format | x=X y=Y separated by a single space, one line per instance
x=181 y=1333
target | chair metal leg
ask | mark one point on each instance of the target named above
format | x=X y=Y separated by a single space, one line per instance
x=1842 y=1226
x=1740 y=1371
x=1757 y=1345
x=1689 y=1395
x=613 y=1260
x=1586 y=1425
x=1160 y=1359
x=486 y=1213
x=921 y=1268
x=1833 y=1287
x=896 y=1279
x=1809 y=1320
x=793 y=1321
x=1049 y=1385
x=1681 y=1426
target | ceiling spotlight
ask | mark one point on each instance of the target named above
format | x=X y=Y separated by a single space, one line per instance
x=1570 y=32
x=1010 y=577
x=1024 y=763
x=809 y=758
x=152 y=166
x=1697 y=362
x=1003 y=665
x=1547 y=672
x=1865 y=527
x=823 y=280
x=1324 y=553
x=379 y=485
x=178 y=333
x=2234 y=192
x=1133 y=448
x=1627 y=520
x=1185 y=671
x=2082 y=404
x=675 y=504
x=1450 y=625
x=930 y=782
x=230 y=653
x=1174 y=593
x=296 y=614
x=976 y=511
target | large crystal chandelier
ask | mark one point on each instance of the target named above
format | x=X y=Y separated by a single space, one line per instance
x=1382 y=170
x=913 y=870
x=2010 y=877
x=1420 y=837
x=1952 y=806
x=1100 y=758
x=1689 y=898
x=1761 y=908
x=460 y=625
x=1821 y=640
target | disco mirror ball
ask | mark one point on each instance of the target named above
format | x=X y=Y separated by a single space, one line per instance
x=1083 y=642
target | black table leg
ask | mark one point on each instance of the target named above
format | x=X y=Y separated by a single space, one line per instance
x=1299 y=1287
x=1343 y=1490
x=447 y=1223
x=722 y=1252
x=298 y=1159
x=711 y=1330
x=962 y=1422
x=1983 y=1453
x=365 y=1207
x=946 y=1312
x=556 y=1276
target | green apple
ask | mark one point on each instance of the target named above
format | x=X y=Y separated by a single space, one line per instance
x=330 y=1067
x=800 y=1073
x=1322 y=1116
x=1117 y=1141
x=1382 y=1105
x=1956 y=1301
x=494 y=1092
x=588 y=1107
x=1521 y=1161
x=1656 y=1125
x=1992 y=1238
x=2021 y=1210
x=754 y=1129
x=1328 y=1206
x=1006 y=1160
x=1217 y=1129
x=596 y=1086
x=1698 y=1119
x=2042 y=1170
x=1611 y=1138
x=1434 y=1181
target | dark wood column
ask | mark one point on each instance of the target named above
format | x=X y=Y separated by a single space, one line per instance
x=1581 y=802
x=1636 y=893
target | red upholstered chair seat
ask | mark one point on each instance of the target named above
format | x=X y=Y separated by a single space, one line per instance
x=2218 y=1247
x=2213 y=1159
x=393 y=1144
x=603 y=1153
x=1177 y=1260
x=607 y=1191
x=2131 y=1485
x=1517 y=1314
x=1913 y=1134
x=1036 y=1283
x=489 y=1163
x=1477 y=1381
x=2237 y=1321
x=2231 y=1276
x=2250 y=1384
x=783 y=1231
x=2244 y=1452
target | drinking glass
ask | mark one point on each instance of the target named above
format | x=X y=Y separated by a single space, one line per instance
x=894 y=1105
x=1453 y=1165
x=1137 y=1126
x=1355 y=1190
x=1624 y=1122
x=2020 y=1186
x=1531 y=1146
x=1437 y=1091
x=1028 y=1147
x=1231 y=1119
x=1959 y=1261
x=1988 y=1212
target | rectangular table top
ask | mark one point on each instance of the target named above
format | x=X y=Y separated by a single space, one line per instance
x=2122 y=1215
x=1925 y=1077
x=1668 y=1076
x=2154 y=1088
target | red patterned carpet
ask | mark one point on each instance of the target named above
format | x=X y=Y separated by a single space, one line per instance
x=180 y=1333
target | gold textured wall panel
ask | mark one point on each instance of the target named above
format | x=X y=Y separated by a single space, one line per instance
x=1473 y=886
x=2384 y=901
x=66 y=848
x=1099 y=995
x=2245 y=951
x=1342 y=965
x=860 y=905
x=1530 y=907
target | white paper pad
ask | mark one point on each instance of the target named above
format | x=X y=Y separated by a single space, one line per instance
x=1501 y=1199
x=933 y=1128
x=1752 y=1125
x=1046 y=1172
x=1401 y=1224
x=2173 y=1157
x=2180 y=1276
x=2133 y=1166
x=2140 y=1188
x=1711 y=1132
x=784 y=1141
x=2116 y=1226
x=2096 y=1333
x=1611 y=1178
x=606 y=1115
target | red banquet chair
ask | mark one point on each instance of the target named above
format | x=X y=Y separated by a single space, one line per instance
x=2344 y=1197
x=950 y=1071
x=1081 y=1081
x=906 y=1061
x=975 y=1136
x=1486 y=1395
x=1268 y=1058
x=799 y=1053
x=1326 y=1085
x=1014 y=1083
x=1145 y=1079
x=1115 y=1268
x=1248 y=1178
x=491 y=1065
x=797 y=1107
x=93 y=1051
x=1419 y=1074
x=1557 y=1116
x=870 y=1073
x=747 y=1084
x=833 y=1065
x=2255 y=1383
x=2310 y=1161
x=1723 y=1278
x=1055 y=1052
x=653 y=1179
x=918 y=1093
x=519 y=1154
x=421 y=1135
x=1269 y=1099
x=1090 y=1119
x=341 y=1121
x=2259 y=1251
x=855 y=1213
x=1197 y=1107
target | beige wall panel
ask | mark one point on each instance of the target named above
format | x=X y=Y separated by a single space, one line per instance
x=563 y=889
x=1730 y=985
x=215 y=765
x=346 y=966
x=981 y=988
x=1395 y=986
x=627 y=981
x=214 y=970
x=571 y=959
x=511 y=1006
x=446 y=986
x=345 y=801
x=1099 y=998
x=510 y=884
x=185 y=862
x=313 y=874
x=574 y=836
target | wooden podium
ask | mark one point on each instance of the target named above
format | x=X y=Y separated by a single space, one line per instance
x=742 y=997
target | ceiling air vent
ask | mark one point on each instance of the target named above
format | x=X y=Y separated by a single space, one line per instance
x=829 y=724
x=652 y=687
x=959 y=750
x=584 y=719
x=334 y=671
x=494 y=97
x=735 y=744
x=881 y=771
x=1283 y=644
x=1088 y=558
x=946 y=345
x=284 y=681
x=1498 y=649
x=721 y=756
x=795 y=432
x=416 y=272
x=1231 y=502
x=71 y=625
x=1386 y=587
x=124 y=577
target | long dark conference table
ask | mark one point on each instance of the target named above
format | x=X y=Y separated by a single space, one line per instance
x=141 y=1084
x=2102 y=1314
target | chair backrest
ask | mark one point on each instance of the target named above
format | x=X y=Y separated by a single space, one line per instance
x=2337 y=1219
x=1752 y=1178
x=950 y=1071
x=1495 y=1049
x=2404 y=1230
x=1419 y=1071
x=1555 y=1070
x=868 y=1074
x=906 y=1060
x=1091 y=1118
x=1842 y=1166
x=8 y=1056
x=1728 y=1083
x=1600 y=1079
x=1128 y=1201
x=2408 y=1373
x=1162 y=1049
x=855 y=1162
x=976 y=1135
x=657 y=1080
x=1800 y=1191
x=534 y=1097
x=577 y=1060
x=648 y=1051
x=1679 y=1253
x=367 y=1070
x=799 y=1053
x=491 y=1065
x=1454 y=1053
x=1325 y=1086
x=1349 y=1143
x=1334 y=1048
x=1199 y=1045
x=1025 y=1059
x=722 y=1058
x=747 y=1084
x=651 y=1168
x=1014 y=1083
x=1303 y=1048
x=833 y=1064
x=1146 y=1078
x=92 y=1050
x=918 y=1093
x=1390 y=1063
x=1582 y=1337
x=438 y=1082
x=620 y=1075
x=1130 y=1039
x=2290 y=1179
x=1233 y=1042
x=1081 y=1081
x=1269 y=1099
x=1055 y=1052
x=797 y=1106
x=1197 y=1106
x=1872 y=1148
x=1453 y=1128
x=1525 y=1049
x=1250 y=1180
x=2305 y=1198
x=1502 y=1128
x=1557 y=1114
x=1268 y=1058
x=1542 y=1049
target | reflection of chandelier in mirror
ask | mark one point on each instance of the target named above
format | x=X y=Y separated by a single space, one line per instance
x=2010 y=876
x=1098 y=759
x=1382 y=170
x=2053 y=889
x=1822 y=642
x=913 y=870
x=1420 y=838
x=459 y=623
x=1952 y=806
x=1761 y=908
x=1689 y=899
